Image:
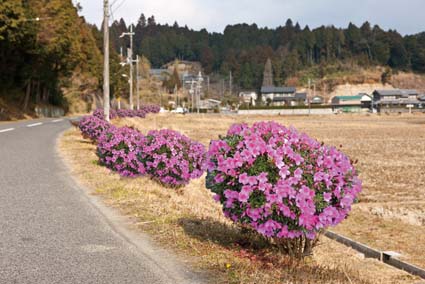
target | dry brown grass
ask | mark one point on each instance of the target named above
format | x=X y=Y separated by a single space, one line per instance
x=390 y=151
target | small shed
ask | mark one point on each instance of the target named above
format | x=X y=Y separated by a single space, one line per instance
x=317 y=100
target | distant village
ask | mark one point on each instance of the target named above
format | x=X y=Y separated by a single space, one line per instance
x=195 y=95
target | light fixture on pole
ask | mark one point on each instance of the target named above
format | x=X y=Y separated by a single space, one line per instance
x=130 y=61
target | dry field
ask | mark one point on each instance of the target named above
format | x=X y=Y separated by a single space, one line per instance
x=390 y=215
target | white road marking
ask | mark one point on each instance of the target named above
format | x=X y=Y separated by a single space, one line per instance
x=35 y=124
x=7 y=130
x=57 y=120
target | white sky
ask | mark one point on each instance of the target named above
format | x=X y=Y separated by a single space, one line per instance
x=406 y=16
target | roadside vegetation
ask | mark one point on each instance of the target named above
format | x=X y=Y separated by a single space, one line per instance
x=192 y=224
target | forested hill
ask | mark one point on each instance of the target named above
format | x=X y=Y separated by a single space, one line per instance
x=43 y=45
x=244 y=48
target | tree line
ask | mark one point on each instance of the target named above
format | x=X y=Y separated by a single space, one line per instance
x=45 y=44
x=244 y=49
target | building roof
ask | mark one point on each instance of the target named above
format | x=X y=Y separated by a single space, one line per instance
x=317 y=100
x=396 y=92
x=301 y=96
x=243 y=93
x=278 y=90
x=158 y=71
x=349 y=98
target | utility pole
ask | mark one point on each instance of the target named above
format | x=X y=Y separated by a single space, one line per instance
x=308 y=96
x=192 y=83
x=208 y=84
x=198 y=89
x=230 y=83
x=130 y=56
x=138 y=82
x=106 y=94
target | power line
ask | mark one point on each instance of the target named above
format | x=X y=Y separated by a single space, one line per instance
x=119 y=5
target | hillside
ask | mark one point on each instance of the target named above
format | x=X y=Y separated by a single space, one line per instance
x=50 y=56
x=244 y=49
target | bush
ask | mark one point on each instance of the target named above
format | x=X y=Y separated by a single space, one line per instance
x=151 y=109
x=92 y=127
x=285 y=185
x=99 y=113
x=126 y=113
x=172 y=158
x=117 y=150
x=144 y=110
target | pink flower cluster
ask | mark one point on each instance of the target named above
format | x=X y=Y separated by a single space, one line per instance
x=166 y=155
x=92 y=127
x=142 y=112
x=118 y=148
x=279 y=182
x=99 y=113
x=172 y=158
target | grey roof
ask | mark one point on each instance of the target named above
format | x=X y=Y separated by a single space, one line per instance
x=278 y=90
x=388 y=92
x=158 y=71
x=396 y=92
x=301 y=96
x=421 y=98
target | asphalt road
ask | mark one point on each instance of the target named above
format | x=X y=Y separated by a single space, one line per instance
x=52 y=232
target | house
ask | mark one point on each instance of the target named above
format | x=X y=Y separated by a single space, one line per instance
x=398 y=100
x=282 y=96
x=209 y=104
x=248 y=97
x=358 y=103
x=317 y=100
x=396 y=94
x=159 y=74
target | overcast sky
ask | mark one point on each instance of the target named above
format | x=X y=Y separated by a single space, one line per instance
x=406 y=16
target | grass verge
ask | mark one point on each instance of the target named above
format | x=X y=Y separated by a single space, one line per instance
x=191 y=224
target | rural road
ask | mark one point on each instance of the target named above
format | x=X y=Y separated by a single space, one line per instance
x=51 y=231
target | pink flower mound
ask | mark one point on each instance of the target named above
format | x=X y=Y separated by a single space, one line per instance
x=172 y=158
x=117 y=149
x=99 y=113
x=279 y=182
x=92 y=127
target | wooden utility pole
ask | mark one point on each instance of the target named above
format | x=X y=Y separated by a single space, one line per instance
x=106 y=94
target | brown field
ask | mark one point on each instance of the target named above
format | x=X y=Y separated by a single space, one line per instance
x=389 y=216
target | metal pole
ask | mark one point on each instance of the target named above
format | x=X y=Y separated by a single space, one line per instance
x=131 y=67
x=309 y=96
x=137 y=82
x=230 y=83
x=106 y=94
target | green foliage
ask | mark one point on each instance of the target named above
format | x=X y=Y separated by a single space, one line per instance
x=42 y=45
x=244 y=49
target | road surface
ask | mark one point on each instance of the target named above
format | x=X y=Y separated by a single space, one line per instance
x=52 y=232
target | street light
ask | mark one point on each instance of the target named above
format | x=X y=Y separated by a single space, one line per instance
x=130 y=61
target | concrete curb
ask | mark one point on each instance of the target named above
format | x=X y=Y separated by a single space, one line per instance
x=384 y=257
